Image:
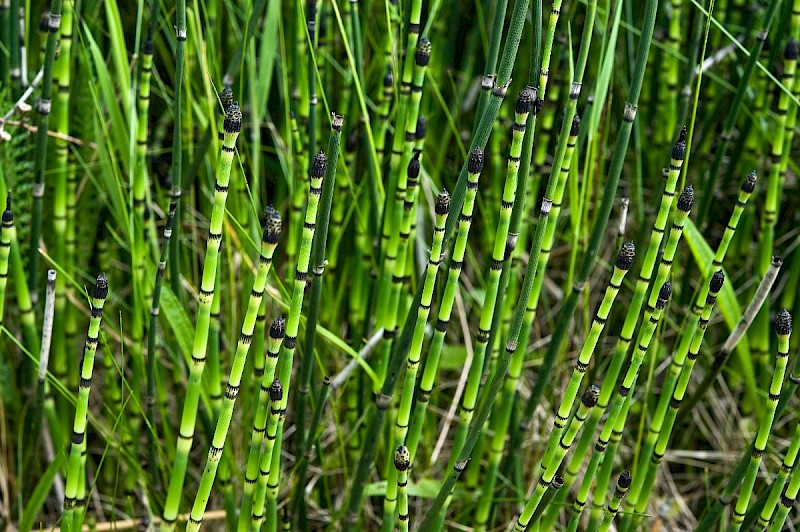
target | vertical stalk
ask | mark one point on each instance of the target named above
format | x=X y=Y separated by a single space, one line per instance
x=232 y=126
x=277 y=331
x=269 y=241
x=604 y=211
x=317 y=182
x=783 y=329
x=72 y=518
x=402 y=461
x=40 y=155
x=177 y=145
x=152 y=331
x=672 y=393
x=318 y=264
x=710 y=178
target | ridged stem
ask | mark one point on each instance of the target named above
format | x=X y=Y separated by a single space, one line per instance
x=232 y=126
x=74 y=503
x=783 y=329
x=272 y=228
x=276 y=334
x=662 y=423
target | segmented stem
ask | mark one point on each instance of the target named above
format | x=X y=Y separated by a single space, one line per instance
x=232 y=126
x=74 y=501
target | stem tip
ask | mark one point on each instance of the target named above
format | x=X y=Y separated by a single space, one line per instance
x=233 y=119
x=276 y=391
x=443 y=202
x=101 y=287
x=318 y=166
x=272 y=225
x=278 y=328
x=402 y=458
x=783 y=323
x=475 y=165
x=749 y=184
x=686 y=199
x=716 y=281
x=626 y=256
x=590 y=396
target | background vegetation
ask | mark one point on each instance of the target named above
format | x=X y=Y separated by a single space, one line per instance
x=417 y=264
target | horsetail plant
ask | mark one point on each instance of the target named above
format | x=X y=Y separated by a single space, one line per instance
x=594 y=243
x=318 y=264
x=277 y=331
x=663 y=421
x=690 y=326
x=393 y=267
x=271 y=235
x=774 y=493
x=551 y=463
x=232 y=126
x=788 y=499
x=609 y=192
x=722 y=356
x=74 y=496
x=429 y=374
x=431 y=371
x=556 y=484
x=400 y=265
x=272 y=432
x=783 y=329
x=376 y=413
x=402 y=461
x=285 y=363
x=442 y=208
x=603 y=479
x=634 y=308
x=525 y=102
x=619 y=405
x=623 y=483
x=621 y=267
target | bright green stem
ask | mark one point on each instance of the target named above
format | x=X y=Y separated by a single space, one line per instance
x=774 y=493
x=271 y=461
x=233 y=124
x=604 y=210
x=621 y=267
x=672 y=393
x=469 y=399
x=787 y=501
x=431 y=371
x=273 y=432
x=619 y=406
x=72 y=519
x=783 y=328
x=318 y=262
x=690 y=326
x=554 y=460
x=276 y=333
x=623 y=483
x=414 y=354
x=376 y=413
x=268 y=245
